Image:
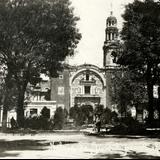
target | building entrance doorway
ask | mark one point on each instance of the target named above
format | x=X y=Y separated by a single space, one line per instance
x=88 y=105
x=92 y=101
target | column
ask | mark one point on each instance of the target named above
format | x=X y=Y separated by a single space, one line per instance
x=107 y=37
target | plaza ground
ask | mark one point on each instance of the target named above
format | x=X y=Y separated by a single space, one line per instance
x=77 y=146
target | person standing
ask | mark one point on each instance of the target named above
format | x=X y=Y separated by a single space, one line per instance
x=13 y=123
x=98 y=123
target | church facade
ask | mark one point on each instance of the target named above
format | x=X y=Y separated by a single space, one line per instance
x=79 y=85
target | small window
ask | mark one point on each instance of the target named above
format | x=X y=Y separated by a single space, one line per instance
x=33 y=111
x=87 y=77
x=60 y=90
x=87 y=89
x=60 y=76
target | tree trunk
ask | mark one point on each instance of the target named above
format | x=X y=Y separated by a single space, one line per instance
x=4 y=117
x=150 y=96
x=158 y=105
x=5 y=101
x=150 y=101
x=20 y=105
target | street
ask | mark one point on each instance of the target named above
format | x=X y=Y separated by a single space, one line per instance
x=77 y=145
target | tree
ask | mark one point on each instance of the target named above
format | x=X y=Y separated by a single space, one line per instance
x=105 y=114
x=126 y=91
x=42 y=35
x=44 y=118
x=141 y=37
x=77 y=114
x=99 y=109
x=59 y=118
x=45 y=112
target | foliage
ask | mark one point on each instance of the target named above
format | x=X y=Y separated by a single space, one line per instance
x=85 y=114
x=99 y=109
x=127 y=92
x=35 y=37
x=45 y=113
x=39 y=122
x=59 y=118
x=105 y=114
x=12 y=97
x=141 y=37
x=128 y=125
x=77 y=115
x=44 y=122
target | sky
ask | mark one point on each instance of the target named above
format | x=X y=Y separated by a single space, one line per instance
x=92 y=24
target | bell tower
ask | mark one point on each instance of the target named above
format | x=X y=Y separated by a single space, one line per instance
x=110 y=48
x=111 y=42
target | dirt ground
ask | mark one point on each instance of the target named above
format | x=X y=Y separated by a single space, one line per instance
x=77 y=146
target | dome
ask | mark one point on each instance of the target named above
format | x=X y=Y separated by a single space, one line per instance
x=111 y=19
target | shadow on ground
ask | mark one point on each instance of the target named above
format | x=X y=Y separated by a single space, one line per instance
x=119 y=136
x=19 y=145
x=131 y=155
x=141 y=155
x=131 y=136
x=22 y=145
x=108 y=156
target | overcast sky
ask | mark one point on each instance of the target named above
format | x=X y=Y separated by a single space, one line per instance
x=92 y=24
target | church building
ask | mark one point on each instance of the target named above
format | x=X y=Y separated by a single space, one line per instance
x=88 y=84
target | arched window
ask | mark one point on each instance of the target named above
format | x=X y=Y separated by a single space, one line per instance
x=114 y=55
x=112 y=36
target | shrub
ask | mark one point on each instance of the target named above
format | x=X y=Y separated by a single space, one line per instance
x=99 y=110
x=128 y=125
x=59 y=118
x=39 y=122
x=106 y=115
x=45 y=113
x=82 y=115
x=77 y=115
